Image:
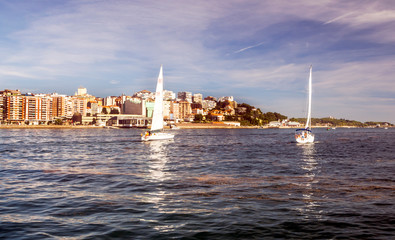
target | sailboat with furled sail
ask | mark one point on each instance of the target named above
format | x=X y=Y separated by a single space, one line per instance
x=304 y=135
x=156 y=132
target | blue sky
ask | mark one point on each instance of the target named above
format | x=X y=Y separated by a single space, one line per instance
x=255 y=50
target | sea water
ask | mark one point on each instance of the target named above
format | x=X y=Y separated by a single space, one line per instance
x=204 y=184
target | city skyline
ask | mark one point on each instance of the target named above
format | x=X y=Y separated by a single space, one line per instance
x=257 y=51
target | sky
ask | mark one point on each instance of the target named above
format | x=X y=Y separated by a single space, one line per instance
x=258 y=51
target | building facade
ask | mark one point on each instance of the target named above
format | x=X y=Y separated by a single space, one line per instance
x=185 y=96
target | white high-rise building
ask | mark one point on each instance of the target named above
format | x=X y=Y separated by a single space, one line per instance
x=81 y=91
x=110 y=101
x=168 y=95
x=198 y=98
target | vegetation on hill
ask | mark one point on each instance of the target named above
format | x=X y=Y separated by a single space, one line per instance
x=339 y=122
x=248 y=115
x=254 y=116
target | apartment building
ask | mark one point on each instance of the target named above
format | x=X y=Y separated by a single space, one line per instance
x=166 y=109
x=46 y=108
x=185 y=96
x=174 y=110
x=14 y=108
x=209 y=104
x=185 y=109
x=2 y=107
x=58 y=105
x=32 y=111
x=80 y=105
x=134 y=105
x=198 y=98
x=69 y=107
x=168 y=95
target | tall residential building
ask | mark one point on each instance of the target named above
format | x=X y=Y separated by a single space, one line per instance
x=197 y=98
x=166 y=109
x=15 y=108
x=2 y=107
x=169 y=95
x=69 y=106
x=46 y=108
x=185 y=96
x=185 y=109
x=58 y=105
x=174 y=110
x=109 y=101
x=95 y=107
x=81 y=92
x=32 y=105
x=80 y=105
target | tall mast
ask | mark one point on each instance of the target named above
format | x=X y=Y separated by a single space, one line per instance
x=308 y=122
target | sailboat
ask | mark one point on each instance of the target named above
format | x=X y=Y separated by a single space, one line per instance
x=156 y=132
x=304 y=135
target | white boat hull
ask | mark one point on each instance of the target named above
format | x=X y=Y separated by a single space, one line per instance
x=304 y=138
x=157 y=136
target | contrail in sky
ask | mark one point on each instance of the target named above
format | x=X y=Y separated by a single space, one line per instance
x=338 y=18
x=243 y=49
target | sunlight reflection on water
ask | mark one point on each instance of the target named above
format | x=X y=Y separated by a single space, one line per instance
x=103 y=184
x=311 y=167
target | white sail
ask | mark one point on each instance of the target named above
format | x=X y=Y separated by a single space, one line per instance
x=157 y=119
x=156 y=132
x=308 y=121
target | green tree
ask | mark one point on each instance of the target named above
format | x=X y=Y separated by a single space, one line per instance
x=58 y=122
x=198 y=118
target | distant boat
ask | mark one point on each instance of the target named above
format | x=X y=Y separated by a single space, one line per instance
x=174 y=127
x=100 y=124
x=304 y=135
x=156 y=132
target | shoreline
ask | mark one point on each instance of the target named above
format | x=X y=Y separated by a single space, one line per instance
x=224 y=126
x=180 y=125
x=47 y=127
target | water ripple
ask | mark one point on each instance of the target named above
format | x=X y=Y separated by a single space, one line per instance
x=205 y=184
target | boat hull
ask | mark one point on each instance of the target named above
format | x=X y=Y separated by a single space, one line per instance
x=304 y=136
x=309 y=139
x=157 y=136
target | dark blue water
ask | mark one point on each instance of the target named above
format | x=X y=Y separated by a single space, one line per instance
x=206 y=184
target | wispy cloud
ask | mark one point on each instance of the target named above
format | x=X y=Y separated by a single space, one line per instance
x=339 y=18
x=249 y=47
x=114 y=82
x=15 y=73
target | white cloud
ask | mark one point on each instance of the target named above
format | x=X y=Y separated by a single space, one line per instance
x=114 y=82
x=9 y=72
x=339 y=18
